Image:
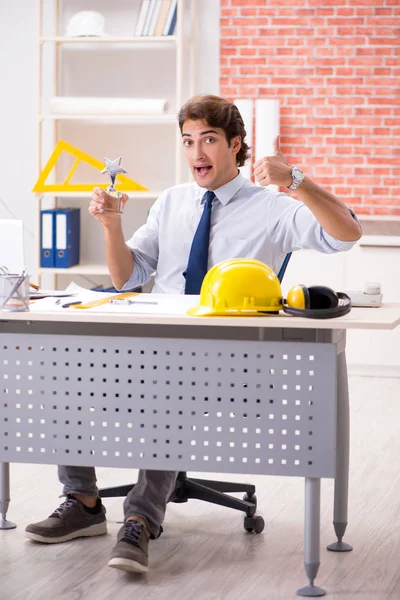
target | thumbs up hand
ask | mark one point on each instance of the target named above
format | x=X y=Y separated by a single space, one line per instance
x=273 y=169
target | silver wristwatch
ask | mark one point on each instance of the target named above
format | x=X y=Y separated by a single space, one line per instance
x=297 y=177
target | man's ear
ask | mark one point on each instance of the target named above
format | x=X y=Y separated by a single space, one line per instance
x=236 y=143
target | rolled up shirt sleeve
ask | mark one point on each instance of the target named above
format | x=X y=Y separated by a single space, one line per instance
x=144 y=245
x=295 y=227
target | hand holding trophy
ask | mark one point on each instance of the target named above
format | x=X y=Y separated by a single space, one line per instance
x=113 y=168
x=109 y=202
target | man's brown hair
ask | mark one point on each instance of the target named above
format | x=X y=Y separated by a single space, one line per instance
x=218 y=112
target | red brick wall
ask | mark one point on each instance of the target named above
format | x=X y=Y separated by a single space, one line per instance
x=335 y=67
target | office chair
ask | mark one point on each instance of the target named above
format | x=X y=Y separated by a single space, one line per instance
x=215 y=492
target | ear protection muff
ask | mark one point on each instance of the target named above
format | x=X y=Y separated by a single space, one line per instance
x=316 y=302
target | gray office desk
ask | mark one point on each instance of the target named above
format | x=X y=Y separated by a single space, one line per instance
x=249 y=395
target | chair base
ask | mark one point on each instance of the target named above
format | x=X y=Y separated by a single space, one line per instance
x=215 y=492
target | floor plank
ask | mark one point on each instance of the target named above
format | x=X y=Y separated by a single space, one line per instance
x=204 y=553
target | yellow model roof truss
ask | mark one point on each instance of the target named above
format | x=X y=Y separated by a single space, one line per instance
x=124 y=183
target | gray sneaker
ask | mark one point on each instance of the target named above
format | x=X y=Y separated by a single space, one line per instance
x=131 y=551
x=70 y=520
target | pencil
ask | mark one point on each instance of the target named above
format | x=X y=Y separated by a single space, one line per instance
x=70 y=304
x=34 y=286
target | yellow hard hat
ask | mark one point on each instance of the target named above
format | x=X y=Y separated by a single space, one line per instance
x=239 y=287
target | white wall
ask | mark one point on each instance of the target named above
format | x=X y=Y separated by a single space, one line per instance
x=18 y=108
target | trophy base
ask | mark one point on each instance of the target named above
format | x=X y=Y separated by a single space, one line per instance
x=111 y=211
x=116 y=206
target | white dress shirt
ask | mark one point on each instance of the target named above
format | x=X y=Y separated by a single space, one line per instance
x=247 y=221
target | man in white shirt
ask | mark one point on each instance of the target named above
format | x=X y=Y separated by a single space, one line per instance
x=246 y=221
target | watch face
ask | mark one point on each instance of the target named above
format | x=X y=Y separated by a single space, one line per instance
x=297 y=174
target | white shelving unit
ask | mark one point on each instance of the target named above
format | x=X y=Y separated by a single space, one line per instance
x=152 y=195
x=160 y=40
x=52 y=59
x=130 y=119
x=84 y=269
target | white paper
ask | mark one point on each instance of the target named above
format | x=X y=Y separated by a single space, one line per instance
x=267 y=126
x=12 y=245
x=156 y=304
x=246 y=110
x=33 y=294
x=153 y=304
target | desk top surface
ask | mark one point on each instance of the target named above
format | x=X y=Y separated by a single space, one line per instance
x=385 y=317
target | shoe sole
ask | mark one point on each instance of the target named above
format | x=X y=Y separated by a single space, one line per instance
x=93 y=530
x=124 y=564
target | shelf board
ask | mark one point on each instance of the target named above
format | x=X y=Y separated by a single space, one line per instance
x=151 y=195
x=89 y=269
x=144 y=40
x=380 y=241
x=166 y=119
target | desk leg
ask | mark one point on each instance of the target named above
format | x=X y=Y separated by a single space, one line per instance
x=5 y=496
x=342 y=458
x=312 y=536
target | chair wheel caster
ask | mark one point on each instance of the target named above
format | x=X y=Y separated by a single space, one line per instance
x=252 y=499
x=254 y=524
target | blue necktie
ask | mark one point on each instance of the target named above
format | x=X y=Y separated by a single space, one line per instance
x=198 y=257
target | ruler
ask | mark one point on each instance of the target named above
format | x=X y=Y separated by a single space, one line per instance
x=106 y=300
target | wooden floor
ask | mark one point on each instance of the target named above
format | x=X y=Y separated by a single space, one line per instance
x=205 y=554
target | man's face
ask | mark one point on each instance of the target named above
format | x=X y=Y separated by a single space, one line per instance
x=210 y=158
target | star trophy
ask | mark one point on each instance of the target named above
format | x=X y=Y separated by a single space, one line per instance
x=113 y=168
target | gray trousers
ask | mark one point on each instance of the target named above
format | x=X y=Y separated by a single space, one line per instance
x=147 y=499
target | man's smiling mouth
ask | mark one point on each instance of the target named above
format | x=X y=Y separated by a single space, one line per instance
x=203 y=169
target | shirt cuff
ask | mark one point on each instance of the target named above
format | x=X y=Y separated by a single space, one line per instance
x=141 y=273
x=130 y=284
x=353 y=214
x=335 y=244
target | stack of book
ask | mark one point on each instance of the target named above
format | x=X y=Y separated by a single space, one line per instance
x=156 y=18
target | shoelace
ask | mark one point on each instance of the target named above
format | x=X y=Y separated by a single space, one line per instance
x=132 y=532
x=68 y=503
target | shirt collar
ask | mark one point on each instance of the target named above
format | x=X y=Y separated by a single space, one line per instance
x=226 y=192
